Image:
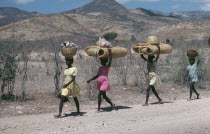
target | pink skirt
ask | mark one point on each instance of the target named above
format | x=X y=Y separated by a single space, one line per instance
x=103 y=83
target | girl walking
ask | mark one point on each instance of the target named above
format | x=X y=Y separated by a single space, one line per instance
x=102 y=80
x=193 y=75
x=151 y=67
x=70 y=88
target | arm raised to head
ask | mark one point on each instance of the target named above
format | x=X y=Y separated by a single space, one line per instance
x=110 y=57
x=158 y=54
x=142 y=56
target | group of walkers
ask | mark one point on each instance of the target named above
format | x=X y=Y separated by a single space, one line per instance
x=71 y=89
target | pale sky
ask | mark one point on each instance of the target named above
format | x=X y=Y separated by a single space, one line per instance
x=55 y=6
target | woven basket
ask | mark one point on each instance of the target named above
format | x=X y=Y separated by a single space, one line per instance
x=148 y=49
x=136 y=48
x=68 y=52
x=118 y=52
x=94 y=51
x=102 y=52
x=192 y=53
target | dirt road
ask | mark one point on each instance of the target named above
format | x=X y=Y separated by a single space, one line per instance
x=178 y=117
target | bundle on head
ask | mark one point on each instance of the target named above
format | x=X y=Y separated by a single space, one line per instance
x=103 y=53
x=192 y=53
x=151 y=47
x=148 y=49
x=153 y=40
x=103 y=43
x=68 y=49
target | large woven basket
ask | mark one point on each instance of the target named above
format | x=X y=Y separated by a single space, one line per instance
x=68 y=52
x=192 y=53
x=144 y=48
x=102 y=52
x=94 y=51
x=136 y=48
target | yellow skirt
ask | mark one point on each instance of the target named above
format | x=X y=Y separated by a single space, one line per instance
x=73 y=90
x=153 y=79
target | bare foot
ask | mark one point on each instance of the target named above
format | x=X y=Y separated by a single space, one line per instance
x=198 y=96
x=98 y=111
x=79 y=114
x=112 y=107
x=57 y=116
x=160 y=101
x=189 y=99
x=146 y=104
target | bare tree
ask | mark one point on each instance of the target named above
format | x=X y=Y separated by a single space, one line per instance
x=24 y=57
x=56 y=49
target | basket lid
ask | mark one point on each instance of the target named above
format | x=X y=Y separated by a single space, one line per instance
x=152 y=40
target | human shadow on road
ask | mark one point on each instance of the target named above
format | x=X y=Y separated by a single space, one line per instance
x=74 y=114
x=108 y=109
x=193 y=99
x=163 y=102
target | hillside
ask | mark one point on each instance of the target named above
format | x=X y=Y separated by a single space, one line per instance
x=99 y=17
x=187 y=15
x=10 y=15
x=190 y=30
x=148 y=12
x=192 y=15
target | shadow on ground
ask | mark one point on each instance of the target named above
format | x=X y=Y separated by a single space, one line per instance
x=155 y=103
x=108 y=109
x=74 y=114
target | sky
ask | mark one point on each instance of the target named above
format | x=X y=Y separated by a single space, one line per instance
x=56 y=6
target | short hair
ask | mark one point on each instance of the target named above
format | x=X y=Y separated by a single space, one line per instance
x=191 y=58
x=104 y=60
x=69 y=59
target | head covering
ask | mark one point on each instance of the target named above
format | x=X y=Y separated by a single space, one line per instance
x=152 y=40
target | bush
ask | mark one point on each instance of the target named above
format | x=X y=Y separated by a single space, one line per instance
x=8 y=68
x=110 y=36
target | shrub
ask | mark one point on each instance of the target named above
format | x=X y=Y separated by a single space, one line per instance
x=110 y=36
x=8 y=68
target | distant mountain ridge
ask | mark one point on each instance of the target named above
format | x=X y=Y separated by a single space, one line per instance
x=192 y=15
x=151 y=12
x=100 y=17
x=105 y=6
x=11 y=14
x=186 y=15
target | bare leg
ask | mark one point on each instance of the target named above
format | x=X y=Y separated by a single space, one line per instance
x=99 y=100
x=62 y=101
x=147 y=96
x=193 y=89
x=77 y=104
x=107 y=99
x=156 y=94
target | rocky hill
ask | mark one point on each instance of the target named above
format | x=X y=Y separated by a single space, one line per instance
x=192 y=15
x=10 y=15
x=188 y=15
x=189 y=30
x=149 y=12
x=105 y=6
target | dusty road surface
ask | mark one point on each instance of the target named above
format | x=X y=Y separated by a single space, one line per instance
x=178 y=117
